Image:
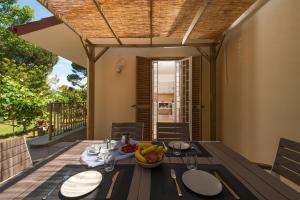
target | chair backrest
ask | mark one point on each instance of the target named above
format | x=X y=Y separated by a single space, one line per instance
x=287 y=161
x=14 y=157
x=167 y=131
x=134 y=129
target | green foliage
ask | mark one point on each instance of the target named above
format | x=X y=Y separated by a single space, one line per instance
x=34 y=77
x=69 y=95
x=12 y=15
x=78 y=75
x=19 y=104
x=23 y=52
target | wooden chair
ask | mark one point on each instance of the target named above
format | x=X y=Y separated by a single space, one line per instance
x=14 y=157
x=287 y=161
x=167 y=131
x=134 y=129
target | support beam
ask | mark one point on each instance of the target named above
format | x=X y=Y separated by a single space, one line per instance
x=220 y=46
x=194 y=22
x=100 y=54
x=99 y=8
x=251 y=11
x=154 y=45
x=85 y=47
x=151 y=30
x=213 y=91
x=203 y=53
x=91 y=94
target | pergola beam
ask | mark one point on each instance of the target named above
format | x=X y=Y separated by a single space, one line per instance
x=194 y=22
x=251 y=11
x=203 y=53
x=151 y=30
x=153 y=45
x=220 y=46
x=213 y=92
x=99 y=8
x=100 y=54
x=85 y=47
x=91 y=94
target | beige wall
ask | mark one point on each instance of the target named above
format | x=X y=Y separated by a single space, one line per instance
x=115 y=93
x=259 y=88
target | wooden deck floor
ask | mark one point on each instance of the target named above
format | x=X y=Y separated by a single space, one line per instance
x=43 y=152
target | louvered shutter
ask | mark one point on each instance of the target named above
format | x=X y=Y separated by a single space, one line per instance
x=143 y=95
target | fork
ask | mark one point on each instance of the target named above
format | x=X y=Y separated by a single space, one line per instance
x=173 y=175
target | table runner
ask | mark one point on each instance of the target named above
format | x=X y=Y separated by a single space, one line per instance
x=201 y=151
x=163 y=186
x=121 y=188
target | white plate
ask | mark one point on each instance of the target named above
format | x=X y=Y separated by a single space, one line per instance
x=81 y=184
x=184 y=145
x=202 y=182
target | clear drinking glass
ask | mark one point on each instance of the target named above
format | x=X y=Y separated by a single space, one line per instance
x=177 y=148
x=191 y=160
x=109 y=162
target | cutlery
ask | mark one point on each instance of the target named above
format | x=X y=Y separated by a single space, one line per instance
x=173 y=175
x=50 y=192
x=234 y=194
x=165 y=145
x=195 y=149
x=109 y=193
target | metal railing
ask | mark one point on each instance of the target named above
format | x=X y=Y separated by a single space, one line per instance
x=64 y=117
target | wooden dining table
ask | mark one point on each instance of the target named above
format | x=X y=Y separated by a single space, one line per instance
x=38 y=180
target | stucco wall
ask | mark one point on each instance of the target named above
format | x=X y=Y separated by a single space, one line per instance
x=259 y=82
x=115 y=93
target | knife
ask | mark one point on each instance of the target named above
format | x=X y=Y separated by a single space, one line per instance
x=109 y=193
x=234 y=194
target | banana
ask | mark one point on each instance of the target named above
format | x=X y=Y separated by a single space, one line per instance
x=159 y=149
x=149 y=149
x=140 y=157
x=144 y=145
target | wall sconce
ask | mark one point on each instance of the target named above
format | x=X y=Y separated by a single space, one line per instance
x=120 y=64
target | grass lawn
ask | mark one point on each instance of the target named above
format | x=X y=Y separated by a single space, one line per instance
x=7 y=130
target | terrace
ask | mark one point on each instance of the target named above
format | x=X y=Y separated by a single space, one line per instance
x=214 y=84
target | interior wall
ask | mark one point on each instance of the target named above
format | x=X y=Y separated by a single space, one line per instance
x=115 y=92
x=259 y=80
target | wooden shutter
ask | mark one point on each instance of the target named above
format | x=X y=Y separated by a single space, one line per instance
x=196 y=98
x=144 y=95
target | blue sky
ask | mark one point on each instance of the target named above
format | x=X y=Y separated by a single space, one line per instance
x=63 y=67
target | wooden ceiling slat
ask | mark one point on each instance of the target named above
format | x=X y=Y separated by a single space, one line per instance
x=131 y=19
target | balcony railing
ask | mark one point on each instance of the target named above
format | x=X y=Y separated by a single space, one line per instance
x=64 y=117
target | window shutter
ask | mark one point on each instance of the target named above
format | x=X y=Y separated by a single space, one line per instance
x=143 y=95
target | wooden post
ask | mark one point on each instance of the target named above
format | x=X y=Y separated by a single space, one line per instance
x=213 y=90
x=50 y=121
x=91 y=93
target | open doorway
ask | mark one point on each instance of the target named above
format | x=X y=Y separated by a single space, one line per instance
x=170 y=92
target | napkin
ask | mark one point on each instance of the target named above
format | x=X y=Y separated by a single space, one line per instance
x=93 y=161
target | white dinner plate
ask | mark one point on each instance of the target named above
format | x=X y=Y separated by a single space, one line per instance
x=184 y=145
x=81 y=184
x=202 y=182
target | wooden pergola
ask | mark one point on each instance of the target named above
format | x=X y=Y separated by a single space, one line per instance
x=196 y=23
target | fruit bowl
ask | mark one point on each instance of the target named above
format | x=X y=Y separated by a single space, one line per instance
x=149 y=156
x=148 y=165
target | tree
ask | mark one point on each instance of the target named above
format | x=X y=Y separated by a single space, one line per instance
x=78 y=77
x=67 y=94
x=18 y=103
x=12 y=15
